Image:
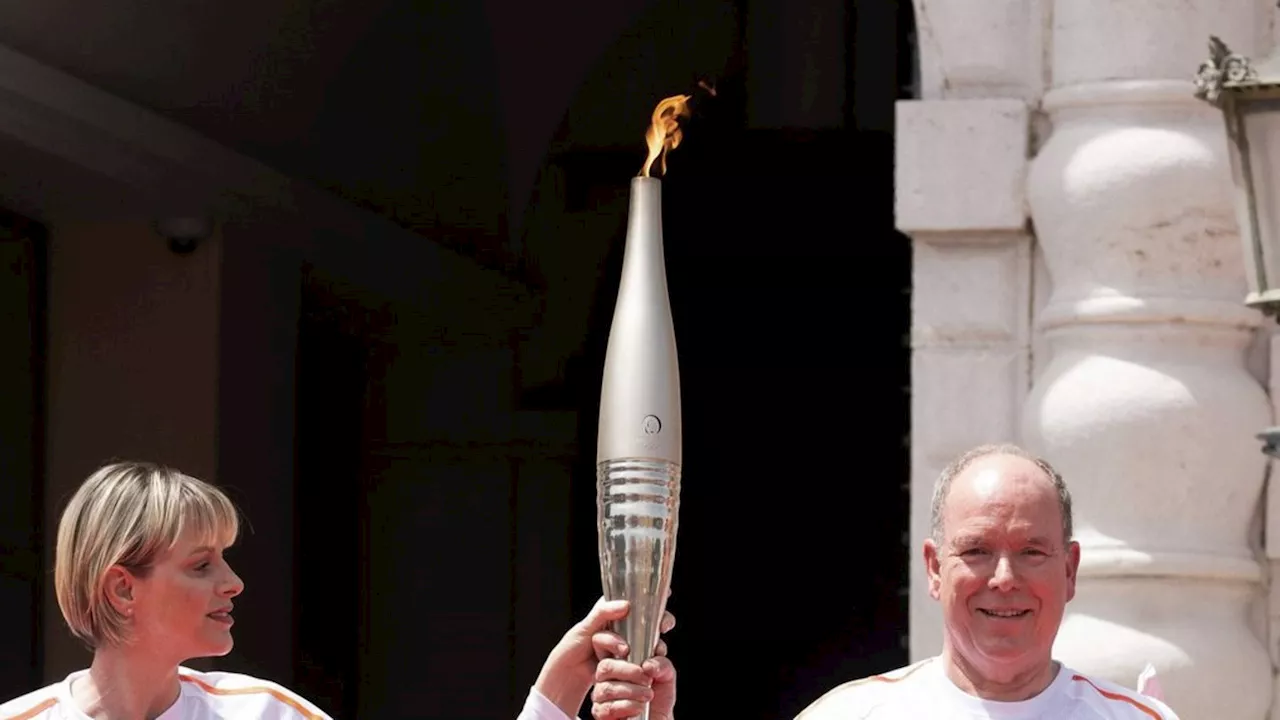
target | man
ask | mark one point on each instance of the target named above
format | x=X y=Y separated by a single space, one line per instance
x=1002 y=563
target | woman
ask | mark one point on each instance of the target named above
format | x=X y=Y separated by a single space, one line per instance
x=141 y=578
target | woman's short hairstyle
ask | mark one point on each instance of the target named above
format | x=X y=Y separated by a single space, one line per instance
x=128 y=514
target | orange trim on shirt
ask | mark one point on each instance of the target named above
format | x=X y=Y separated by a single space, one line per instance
x=888 y=679
x=28 y=714
x=1117 y=696
x=291 y=702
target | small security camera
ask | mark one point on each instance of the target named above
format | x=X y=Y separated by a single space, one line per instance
x=184 y=233
x=183 y=245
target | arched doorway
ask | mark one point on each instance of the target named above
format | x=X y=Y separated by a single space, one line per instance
x=791 y=294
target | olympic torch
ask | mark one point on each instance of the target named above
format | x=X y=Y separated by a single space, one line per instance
x=638 y=452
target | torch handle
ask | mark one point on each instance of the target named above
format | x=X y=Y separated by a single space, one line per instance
x=638 y=504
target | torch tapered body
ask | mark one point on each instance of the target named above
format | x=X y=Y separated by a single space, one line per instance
x=639 y=443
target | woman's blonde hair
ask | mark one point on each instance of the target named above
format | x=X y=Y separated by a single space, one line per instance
x=128 y=514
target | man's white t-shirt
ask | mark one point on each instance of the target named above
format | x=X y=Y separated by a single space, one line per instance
x=204 y=696
x=922 y=690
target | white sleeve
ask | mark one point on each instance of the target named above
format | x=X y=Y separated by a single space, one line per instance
x=537 y=707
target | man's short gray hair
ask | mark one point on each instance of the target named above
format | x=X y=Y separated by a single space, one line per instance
x=942 y=487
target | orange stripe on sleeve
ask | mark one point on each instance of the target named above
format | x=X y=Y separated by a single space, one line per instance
x=28 y=714
x=1118 y=697
x=291 y=702
x=888 y=679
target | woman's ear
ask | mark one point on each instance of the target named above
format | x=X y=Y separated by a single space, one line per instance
x=119 y=589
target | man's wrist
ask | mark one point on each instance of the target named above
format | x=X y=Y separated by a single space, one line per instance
x=568 y=696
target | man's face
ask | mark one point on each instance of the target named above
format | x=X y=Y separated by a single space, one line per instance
x=1003 y=572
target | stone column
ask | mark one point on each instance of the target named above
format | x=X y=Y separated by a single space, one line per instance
x=961 y=161
x=1146 y=405
x=1270 y=539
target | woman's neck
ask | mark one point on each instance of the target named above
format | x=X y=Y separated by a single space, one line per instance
x=126 y=684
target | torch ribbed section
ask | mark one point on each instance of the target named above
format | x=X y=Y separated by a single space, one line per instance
x=638 y=504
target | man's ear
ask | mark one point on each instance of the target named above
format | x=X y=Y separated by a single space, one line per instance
x=1073 y=567
x=933 y=567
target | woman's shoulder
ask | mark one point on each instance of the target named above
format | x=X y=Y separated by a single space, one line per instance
x=35 y=705
x=238 y=695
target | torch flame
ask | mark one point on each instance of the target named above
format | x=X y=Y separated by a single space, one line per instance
x=664 y=133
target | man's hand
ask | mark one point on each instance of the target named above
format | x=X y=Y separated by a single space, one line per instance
x=622 y=688
x=571 y=668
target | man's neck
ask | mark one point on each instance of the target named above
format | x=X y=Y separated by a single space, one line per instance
x=123 y=684
x=1018 y=685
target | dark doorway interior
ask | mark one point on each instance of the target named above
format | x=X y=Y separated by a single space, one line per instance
x=329 y=573
x=23 y=271
x=406 y=569
x=790 y=290
x=791 y=294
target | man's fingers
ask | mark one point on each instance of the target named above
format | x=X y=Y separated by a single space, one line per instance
x=614 y=699
x=660 y=649
x=617 y=710
x=668 y=622
x=613 y=691
x=609 y=645
x=603 y=613
x=613 y=670
x=660 y=669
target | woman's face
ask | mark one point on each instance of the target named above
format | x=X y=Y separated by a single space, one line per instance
x=182 y=608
